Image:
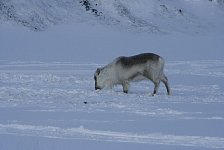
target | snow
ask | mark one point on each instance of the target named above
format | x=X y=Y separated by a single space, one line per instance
x=47 y=95
x=45 y=102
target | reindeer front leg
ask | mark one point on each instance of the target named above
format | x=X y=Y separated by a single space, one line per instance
x=125 y=85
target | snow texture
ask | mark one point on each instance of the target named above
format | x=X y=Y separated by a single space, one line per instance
x=50 y=49
x=57 y=101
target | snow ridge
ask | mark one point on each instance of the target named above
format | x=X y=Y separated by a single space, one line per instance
x=86 y=134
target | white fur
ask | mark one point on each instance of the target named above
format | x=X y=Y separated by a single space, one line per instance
x=116 y=73
x=107 y=77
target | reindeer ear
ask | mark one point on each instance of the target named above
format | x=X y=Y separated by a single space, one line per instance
x=98 y=71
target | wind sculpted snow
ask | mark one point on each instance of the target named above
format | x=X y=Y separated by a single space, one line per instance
x=47 y=94
x=57 y=100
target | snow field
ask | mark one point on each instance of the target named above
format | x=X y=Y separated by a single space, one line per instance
x=51 y=101
x=47 y=96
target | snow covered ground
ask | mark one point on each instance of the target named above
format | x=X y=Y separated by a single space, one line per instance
x=47 y=96
x=55 y=106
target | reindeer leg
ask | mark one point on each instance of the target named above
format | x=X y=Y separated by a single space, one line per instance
x=125 y=85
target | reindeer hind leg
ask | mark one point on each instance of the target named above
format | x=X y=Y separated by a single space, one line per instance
x=164 y=79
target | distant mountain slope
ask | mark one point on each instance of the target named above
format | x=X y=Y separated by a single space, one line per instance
x=139 y=15
x=37 y=14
